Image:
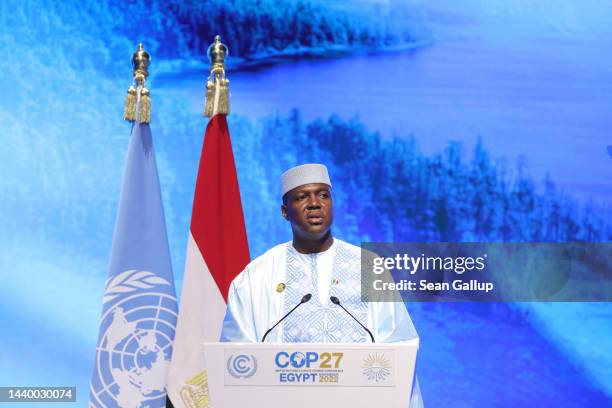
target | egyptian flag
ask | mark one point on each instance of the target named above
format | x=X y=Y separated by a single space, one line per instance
x=217 y=251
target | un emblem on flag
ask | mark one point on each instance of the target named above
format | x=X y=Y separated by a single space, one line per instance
x=135 y=344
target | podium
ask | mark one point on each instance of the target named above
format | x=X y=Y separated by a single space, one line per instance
x=310 y=375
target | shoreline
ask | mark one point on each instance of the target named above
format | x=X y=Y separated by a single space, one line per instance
x=169 y=68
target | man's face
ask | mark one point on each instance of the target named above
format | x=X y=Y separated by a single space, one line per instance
x=309 y=209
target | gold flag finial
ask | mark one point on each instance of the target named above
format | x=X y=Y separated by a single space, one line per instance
x=138 y=101
x=217 y=85
x=140 y=62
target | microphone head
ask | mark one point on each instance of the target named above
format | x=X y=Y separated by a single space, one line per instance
x=306 y=297
x=335 y=300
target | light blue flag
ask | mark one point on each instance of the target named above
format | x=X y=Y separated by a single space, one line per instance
x=140 y=310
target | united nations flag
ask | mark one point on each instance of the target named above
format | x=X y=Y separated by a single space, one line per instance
x=139 y=310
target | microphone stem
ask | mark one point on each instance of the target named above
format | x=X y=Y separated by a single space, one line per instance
x=263 y=339
x=354 y=318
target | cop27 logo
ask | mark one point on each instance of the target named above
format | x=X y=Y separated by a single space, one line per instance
x=242 y=365
x=308 y=359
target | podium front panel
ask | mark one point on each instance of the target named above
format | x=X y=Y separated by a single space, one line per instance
x=302 y=374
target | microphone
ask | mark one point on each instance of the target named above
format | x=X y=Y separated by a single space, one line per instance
x=305 y=299
x=336 y=301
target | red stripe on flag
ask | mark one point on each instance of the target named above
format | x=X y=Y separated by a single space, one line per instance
x=217 y=221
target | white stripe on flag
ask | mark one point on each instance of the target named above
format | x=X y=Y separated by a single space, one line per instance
x=200 y=319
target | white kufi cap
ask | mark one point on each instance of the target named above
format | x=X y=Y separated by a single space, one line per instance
x=304 y=174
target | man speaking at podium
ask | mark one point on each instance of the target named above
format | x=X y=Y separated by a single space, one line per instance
x=298 y=278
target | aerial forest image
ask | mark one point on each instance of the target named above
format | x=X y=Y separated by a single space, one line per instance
x=443 y=121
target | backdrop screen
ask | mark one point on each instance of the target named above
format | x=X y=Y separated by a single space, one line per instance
x=458 y=121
